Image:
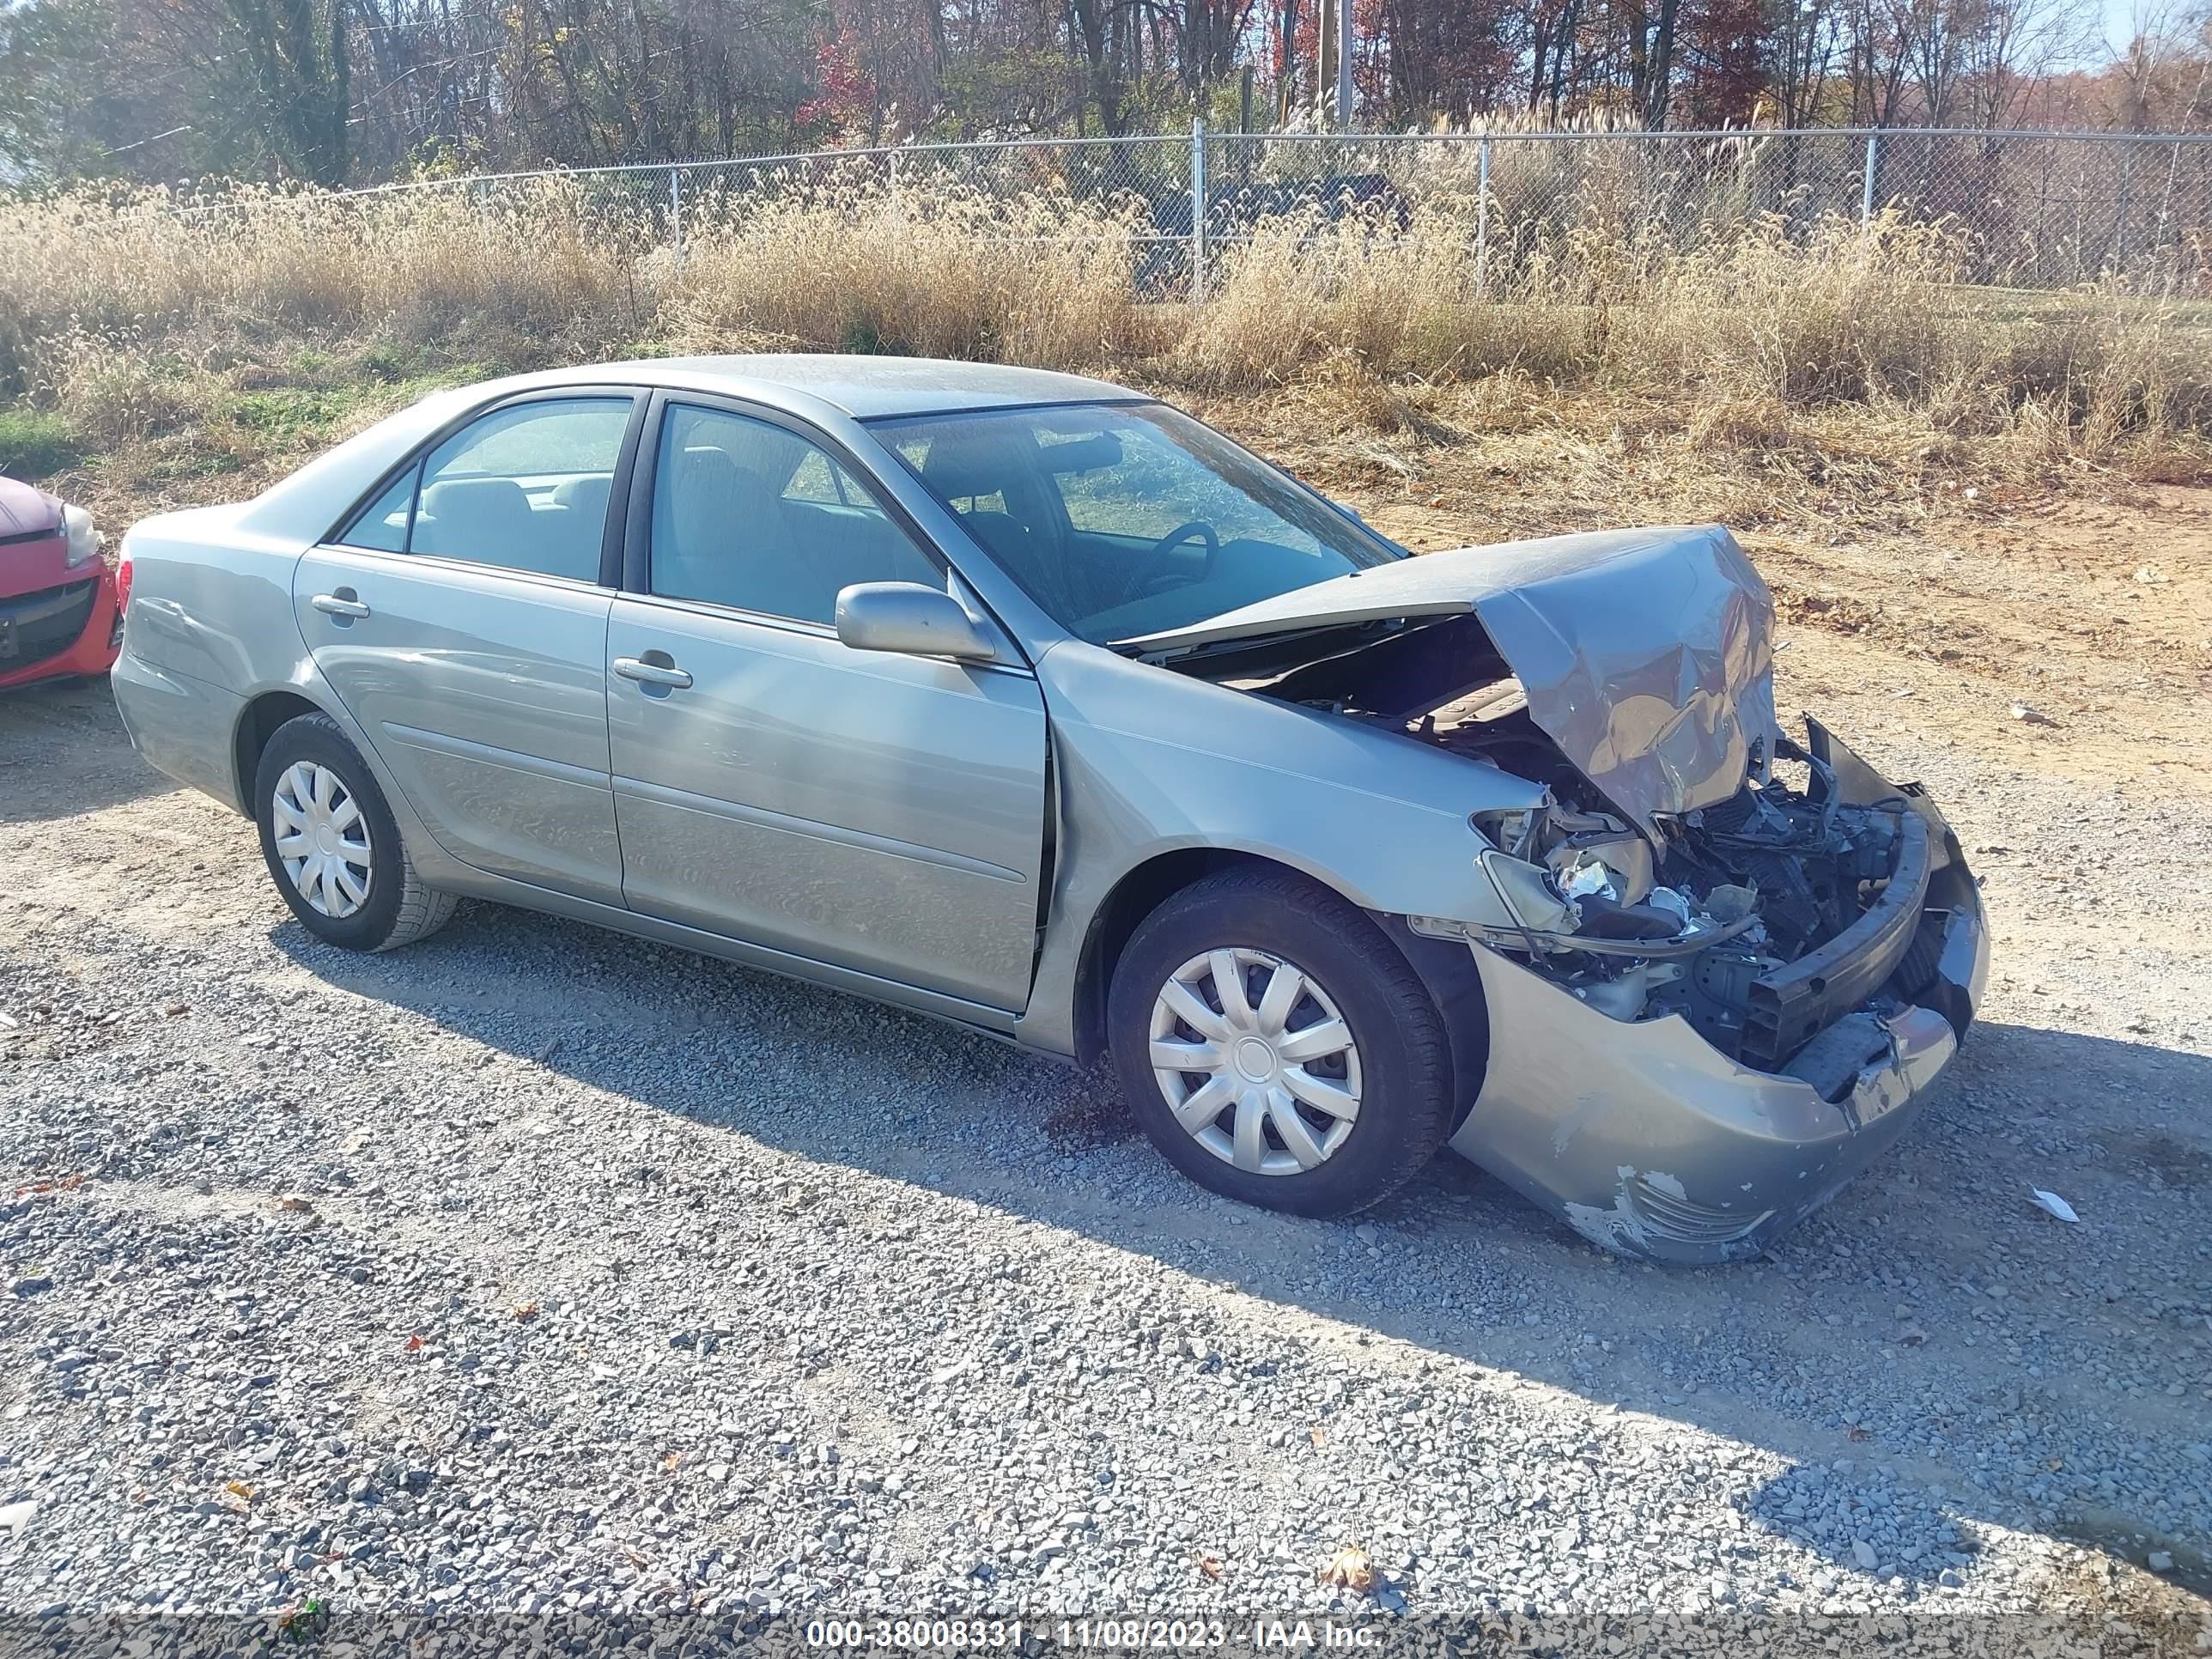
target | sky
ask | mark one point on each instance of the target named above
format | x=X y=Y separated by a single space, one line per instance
x=2119 y=20
x=2111 y=26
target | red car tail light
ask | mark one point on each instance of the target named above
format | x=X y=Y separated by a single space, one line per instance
x=123 y=583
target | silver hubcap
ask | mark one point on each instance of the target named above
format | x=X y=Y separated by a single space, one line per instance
x=1255 y=1061
x=322 y=838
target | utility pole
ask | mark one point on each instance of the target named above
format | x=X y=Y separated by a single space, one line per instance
x=1344 y=65
x=1332 y=74
x=1325 y=56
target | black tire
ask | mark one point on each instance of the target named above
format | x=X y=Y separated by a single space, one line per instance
x=396 y=909
x=1405 y=1105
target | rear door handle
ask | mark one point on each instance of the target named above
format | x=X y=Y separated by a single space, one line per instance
x=651 y=673
x=333 y=605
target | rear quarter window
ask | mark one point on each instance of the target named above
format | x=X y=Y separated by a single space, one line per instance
x=382 y=525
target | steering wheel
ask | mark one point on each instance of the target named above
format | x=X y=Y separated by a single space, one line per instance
x=1153 y=566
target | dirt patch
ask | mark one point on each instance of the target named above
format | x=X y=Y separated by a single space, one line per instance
x=1092 y=1116
x=2099 y=1591
x=2167 y=1162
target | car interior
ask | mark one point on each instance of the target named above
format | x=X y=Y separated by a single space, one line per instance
x=774 y=527
x=553 y=526
x=1054 y=512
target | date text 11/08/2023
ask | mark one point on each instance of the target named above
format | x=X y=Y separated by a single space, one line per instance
x=1089 y=1634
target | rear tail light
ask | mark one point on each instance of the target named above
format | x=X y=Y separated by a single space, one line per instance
x=123 y=582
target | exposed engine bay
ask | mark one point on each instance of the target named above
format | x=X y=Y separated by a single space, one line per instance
x=1734 y=894
x=1763 y=918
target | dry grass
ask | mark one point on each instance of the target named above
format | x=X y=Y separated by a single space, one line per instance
x=264 y=264
x=1044 y=280
x=1760 y=340
x=193 y=352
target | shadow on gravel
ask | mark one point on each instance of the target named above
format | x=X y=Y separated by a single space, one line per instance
x=1931 y=1342
x=47 y=732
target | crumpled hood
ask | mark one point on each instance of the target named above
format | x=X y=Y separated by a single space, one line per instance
x=1646 y=655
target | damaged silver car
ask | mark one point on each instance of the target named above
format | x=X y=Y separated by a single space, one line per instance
x=1031 y=703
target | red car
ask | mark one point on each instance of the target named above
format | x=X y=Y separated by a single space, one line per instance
x=61 y=614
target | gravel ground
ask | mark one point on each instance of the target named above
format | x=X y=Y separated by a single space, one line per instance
x=537 y=1270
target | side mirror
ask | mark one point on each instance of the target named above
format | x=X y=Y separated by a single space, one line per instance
x=911 y=619
x=1351 y=513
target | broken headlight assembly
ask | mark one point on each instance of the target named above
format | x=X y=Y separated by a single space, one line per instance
x=1705 y=922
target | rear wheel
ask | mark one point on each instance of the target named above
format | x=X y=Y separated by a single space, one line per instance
x=1277 y=1047
x=333 y=846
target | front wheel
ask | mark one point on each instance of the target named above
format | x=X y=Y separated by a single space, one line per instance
x=333 y=846
x=1277 y=1047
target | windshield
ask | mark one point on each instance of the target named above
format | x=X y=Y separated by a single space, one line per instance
x=1127 y=519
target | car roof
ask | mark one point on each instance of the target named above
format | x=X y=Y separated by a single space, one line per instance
x=812 y=386
x=864 y=388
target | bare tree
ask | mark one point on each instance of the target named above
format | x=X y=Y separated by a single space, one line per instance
x=1802 y=40
x=2164 y=69
x=1880 y=59
x=299 y=57
x=2013 y=46
x=1650 y=56
x=1554 y=27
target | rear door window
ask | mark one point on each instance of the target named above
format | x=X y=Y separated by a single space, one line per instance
x=523 y=487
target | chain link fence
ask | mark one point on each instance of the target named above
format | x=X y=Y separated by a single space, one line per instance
x=2029 y=210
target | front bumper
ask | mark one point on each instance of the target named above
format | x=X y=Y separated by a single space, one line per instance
x=1649 y=1142
x=88 y=649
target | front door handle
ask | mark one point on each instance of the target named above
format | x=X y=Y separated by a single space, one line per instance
x=651 y=673
x=338 y=605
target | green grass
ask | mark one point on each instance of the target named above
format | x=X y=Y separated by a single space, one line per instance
x=193 y=465
x=161 y=426
x=314 y=414
x=35 y=443
x=292 y=415
x=406 y=367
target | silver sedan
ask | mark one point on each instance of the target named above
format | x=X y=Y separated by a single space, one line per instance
x=1029 y=702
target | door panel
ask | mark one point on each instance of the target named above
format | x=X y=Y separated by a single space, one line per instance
x=881 y=812
x=484 y=693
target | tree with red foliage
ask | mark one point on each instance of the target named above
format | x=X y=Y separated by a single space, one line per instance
x=1724 y=65
x=847 y=103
